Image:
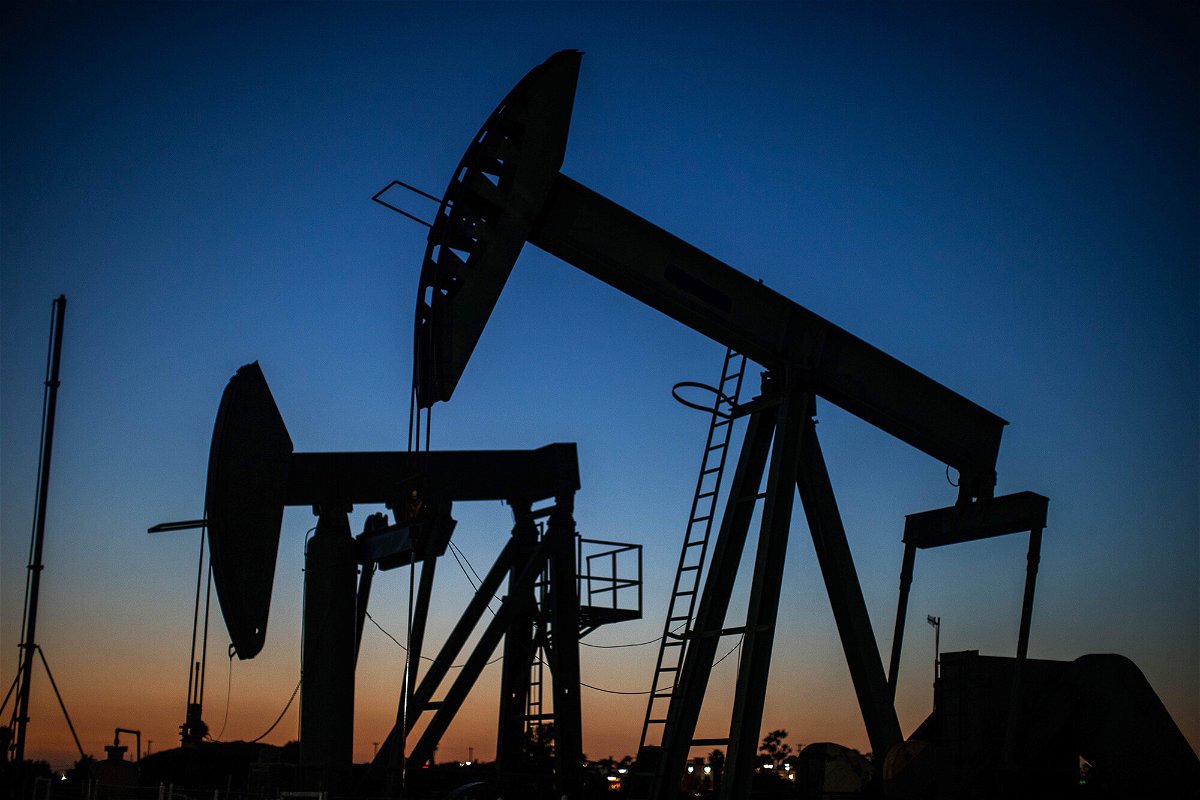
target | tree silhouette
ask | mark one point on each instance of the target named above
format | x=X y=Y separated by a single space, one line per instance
x=774 y=747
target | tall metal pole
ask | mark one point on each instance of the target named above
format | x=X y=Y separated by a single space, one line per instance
x=936 y=622
x=59 y=310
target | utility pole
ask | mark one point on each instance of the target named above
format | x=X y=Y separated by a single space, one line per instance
x=59 y=310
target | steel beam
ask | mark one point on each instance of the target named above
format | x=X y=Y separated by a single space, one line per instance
x=519 y=648
x=564 y=647
x=416 y=639
x=999 y=516
x=620 y=248
x=769 y=560
x=845 y=596
x=374 y=477
x=906 y=576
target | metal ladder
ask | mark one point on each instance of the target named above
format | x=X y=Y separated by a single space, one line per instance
x=535 y=712
x=681 y=609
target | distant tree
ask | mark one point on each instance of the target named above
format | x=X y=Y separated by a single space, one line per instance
x=774 y=747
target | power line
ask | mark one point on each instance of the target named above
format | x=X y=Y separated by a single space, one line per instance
x=631 y=644
x=281 y=713
x=424 y=657
x=612 y=691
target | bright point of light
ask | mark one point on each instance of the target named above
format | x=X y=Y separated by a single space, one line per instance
x=621 y=770
x=691 y=769
x=707 y=769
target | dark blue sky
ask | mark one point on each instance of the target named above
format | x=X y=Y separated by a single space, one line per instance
x=1004 y=196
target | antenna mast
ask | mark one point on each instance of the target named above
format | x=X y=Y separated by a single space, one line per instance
x=58 y=311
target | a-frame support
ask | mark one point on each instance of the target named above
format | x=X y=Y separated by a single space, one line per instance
x=781 y=424
x=522 y=560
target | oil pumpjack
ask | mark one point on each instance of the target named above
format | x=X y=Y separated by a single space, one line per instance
x=507 y=190
x=254 y=474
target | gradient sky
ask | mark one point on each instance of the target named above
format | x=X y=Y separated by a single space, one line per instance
x=1004 y=196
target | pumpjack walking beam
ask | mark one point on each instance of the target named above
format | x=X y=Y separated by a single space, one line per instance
x=507 y=190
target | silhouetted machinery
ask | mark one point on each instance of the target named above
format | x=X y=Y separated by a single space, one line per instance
x=508 y=190
x=254 y=473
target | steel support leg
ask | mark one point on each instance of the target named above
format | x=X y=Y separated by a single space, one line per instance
x=906 y=576
x=518 y=649
x=564 y=651
x=763 y=609
x=846 y=598
x=420 y=618
x=327 y=692
x=688 y=695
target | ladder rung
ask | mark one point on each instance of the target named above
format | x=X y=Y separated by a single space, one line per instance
x=709 y=742
x=695 y=543
x=705 y=494
x=656 y=721
x=704 y=518
x=750 y=498
x=710 y=470
x=668 y=669
x=689 y=569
